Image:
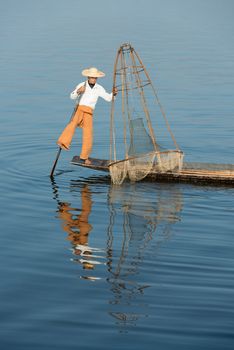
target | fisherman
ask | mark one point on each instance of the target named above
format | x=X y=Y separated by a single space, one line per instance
x=89 y=92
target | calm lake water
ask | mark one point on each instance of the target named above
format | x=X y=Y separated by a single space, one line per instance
x=88 y=265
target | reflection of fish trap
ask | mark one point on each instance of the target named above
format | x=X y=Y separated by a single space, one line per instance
x=132 y=137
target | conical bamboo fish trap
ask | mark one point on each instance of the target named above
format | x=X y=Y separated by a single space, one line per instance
x=132 y=136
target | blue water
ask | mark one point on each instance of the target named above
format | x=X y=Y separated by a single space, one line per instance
x=88 y=265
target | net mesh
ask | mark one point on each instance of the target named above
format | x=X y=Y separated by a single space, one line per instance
x=141 y=151
x=169 y=161
x=140 y=167
x=118 y=172
x=140 y=140
x=137 y=168
x=142 y=158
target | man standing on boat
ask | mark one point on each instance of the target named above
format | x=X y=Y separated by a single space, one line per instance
x=89 y=92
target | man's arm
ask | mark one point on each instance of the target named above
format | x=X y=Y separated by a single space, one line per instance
x=106 y=96
x=80 y=89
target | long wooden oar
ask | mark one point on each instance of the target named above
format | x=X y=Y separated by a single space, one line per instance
x=55 y=162
x=60 y=149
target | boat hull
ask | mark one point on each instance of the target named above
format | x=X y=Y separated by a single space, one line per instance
x=196 y=173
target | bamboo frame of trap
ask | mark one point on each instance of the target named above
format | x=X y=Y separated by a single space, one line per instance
x=121 y=68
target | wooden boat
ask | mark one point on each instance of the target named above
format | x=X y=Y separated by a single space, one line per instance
x=191 y=172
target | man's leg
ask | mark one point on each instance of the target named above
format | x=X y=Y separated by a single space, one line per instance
x=87 y=137
x=66 y=137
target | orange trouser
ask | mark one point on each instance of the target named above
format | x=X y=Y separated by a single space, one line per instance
x=83 y=118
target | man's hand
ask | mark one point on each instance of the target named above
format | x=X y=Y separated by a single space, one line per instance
x=81 y=90
x=115 y=91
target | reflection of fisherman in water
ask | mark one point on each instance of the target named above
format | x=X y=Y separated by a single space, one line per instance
x=75 y=222
x=77 y=225
x=138 y=212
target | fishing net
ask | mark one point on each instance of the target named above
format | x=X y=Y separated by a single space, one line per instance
x=140 y=167
x=142 y=159
x=170 y=161
x=141 y=155
x=141 y=151
x=134 y=149
x=118 y=172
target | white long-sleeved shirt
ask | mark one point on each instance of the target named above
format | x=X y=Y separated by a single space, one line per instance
x=90 y=96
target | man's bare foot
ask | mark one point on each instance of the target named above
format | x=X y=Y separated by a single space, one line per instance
x=87 y=161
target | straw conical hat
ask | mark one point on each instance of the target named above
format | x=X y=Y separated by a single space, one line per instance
x=93 y=72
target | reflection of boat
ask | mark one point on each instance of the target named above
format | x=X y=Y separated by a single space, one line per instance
x=141 y=141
